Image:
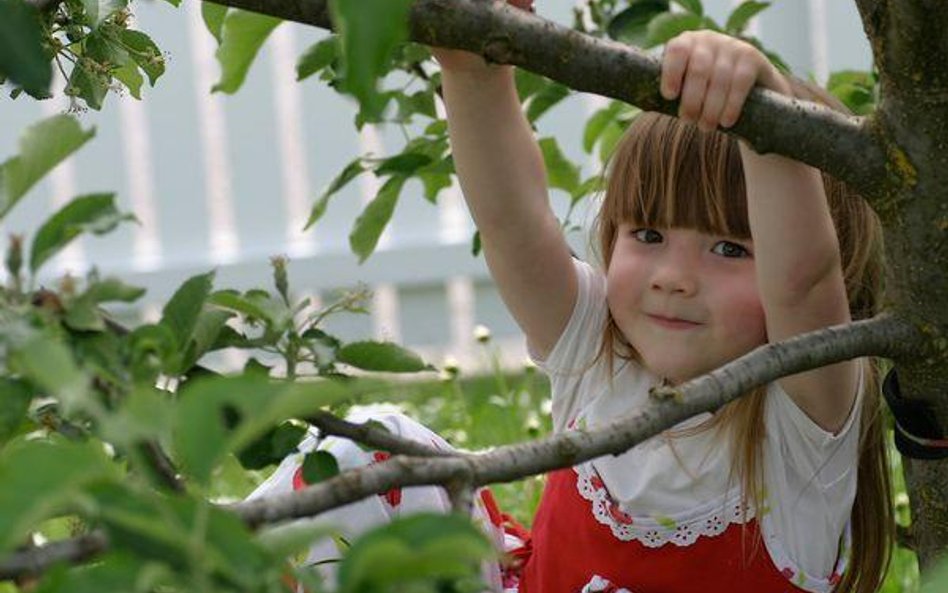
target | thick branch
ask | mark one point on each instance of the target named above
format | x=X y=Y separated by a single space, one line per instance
x=883 y=336
x=843 y=146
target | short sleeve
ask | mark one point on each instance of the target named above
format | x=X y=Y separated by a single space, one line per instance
x=810 y=476
x=576 y=349
x=811 y=450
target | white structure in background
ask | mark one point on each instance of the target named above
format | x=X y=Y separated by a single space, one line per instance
x=221 y=182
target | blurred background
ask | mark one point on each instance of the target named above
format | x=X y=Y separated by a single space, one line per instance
x=226 y=182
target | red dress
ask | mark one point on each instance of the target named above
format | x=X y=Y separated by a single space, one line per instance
x=570 y=550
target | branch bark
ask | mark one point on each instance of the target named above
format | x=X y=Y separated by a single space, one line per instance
x=884 y=336
x=845 y=147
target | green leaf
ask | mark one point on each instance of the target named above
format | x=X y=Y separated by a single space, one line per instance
x=318 y=56
x=560 y=172
x=434 y=183
x=111 y=290
x=421 y=548
x=255 y=305
x=405 y=164
x=373 y=219
x=242 y=36
x=89 y=85
x=381 y=356
x=29 y=496
x=202 y=434
x=740 y=16
x=528 y=83
x=421 y=103
x=22 y=57
x=213 y=15
x=50 y=365
x=144 y=52
x=669 y=25
x=129 y=76
x=208 y=326
x=94 y=213
x=15 y=398
x=43 y=146
x=99 y=10
x=370 y=30
x=319 y=466
x=83 y=315
x=692 y=6
x=597 y=123
x=352 y=170
x=541 y=102
x=181 y=313
x=275 y=445
x=631 y=25
x=289 y=539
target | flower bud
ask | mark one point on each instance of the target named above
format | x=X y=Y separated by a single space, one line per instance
x=482 y=333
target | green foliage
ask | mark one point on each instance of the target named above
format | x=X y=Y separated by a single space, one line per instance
x=381 y=356
x=241 y=35
x=94 y=213
x=422 y=553
x=369 y=32
x=43 y=146
x=23 y=58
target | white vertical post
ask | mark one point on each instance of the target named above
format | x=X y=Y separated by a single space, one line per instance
x=222 y=228
x=289 y=121
x=136 y=145
x=819 y=42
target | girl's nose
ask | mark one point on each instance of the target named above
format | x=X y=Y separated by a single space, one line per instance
x=675 y=275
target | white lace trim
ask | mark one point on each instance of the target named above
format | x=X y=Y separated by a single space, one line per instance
x=710 y=519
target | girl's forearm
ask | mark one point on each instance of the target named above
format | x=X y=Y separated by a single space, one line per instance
x=498 y=161
x=795 y=243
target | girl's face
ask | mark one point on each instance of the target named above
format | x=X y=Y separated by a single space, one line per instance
x=686 y=301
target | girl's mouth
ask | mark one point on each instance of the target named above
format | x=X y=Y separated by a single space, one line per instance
x=671 y=322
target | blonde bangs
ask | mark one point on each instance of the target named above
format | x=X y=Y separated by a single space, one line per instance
x=667 y=174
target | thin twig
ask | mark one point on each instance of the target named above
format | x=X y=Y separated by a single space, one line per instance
x=371 y=434
x=36 y=561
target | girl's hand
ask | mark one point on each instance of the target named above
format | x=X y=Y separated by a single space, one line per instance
x=712 y=74
x=459 y=60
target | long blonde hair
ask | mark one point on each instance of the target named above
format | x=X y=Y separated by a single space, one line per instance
x=665 y=173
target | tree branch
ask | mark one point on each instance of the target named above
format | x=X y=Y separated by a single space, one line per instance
x=846 y=147
x=35 y=561
x=370 y=434
x=882 y=336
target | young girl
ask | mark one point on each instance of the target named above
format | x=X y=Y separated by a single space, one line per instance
x=709 y=250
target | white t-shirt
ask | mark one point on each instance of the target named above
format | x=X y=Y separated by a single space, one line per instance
x=678 y=493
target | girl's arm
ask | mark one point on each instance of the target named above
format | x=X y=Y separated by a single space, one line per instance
x=501 y=171
x=799 y=272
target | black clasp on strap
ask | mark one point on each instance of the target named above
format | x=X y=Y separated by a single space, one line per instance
x=916 y=433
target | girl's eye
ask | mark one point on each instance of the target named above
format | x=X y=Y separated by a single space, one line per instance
x=730 y=249
x=647 y=236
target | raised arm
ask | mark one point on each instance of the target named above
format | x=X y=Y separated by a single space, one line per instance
x=796 y=250
x=504 y=182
